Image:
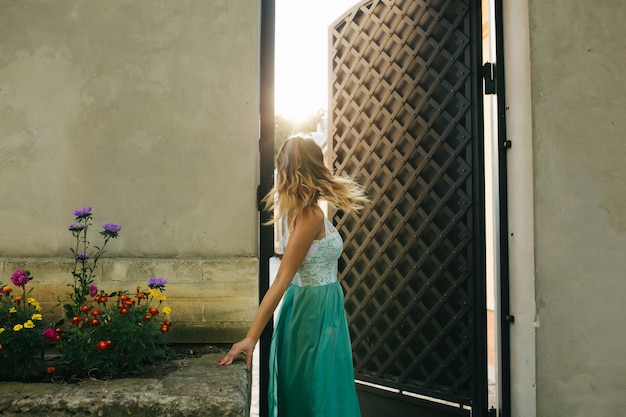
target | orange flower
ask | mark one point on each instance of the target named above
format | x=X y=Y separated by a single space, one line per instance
x=7 y=289
x=153 y=311
x=101 y=299
x=17 y=298
x=102 y=345
x=85 y=308
x=164 y=329
x=50 y=369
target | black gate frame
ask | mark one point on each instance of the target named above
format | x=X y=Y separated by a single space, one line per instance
x=412 y=130
x=266 y=182
x=504 y=318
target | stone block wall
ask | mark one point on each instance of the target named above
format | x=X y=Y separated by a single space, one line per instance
x=211 y=300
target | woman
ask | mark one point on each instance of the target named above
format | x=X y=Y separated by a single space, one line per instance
x=311 y=370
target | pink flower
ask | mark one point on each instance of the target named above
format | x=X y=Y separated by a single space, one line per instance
x=93 y=290
x=19 y=277
x=49 y=334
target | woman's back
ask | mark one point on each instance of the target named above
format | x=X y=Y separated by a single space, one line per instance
x=320 y=262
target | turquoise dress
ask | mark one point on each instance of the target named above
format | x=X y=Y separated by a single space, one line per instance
x=311 y=370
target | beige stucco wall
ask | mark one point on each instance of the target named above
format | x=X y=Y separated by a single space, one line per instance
x=567 y=181
x=146 y=110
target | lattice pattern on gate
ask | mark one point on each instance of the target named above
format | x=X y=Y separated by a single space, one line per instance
x=400 y=122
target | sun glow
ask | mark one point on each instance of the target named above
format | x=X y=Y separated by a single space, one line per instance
x=301 y=72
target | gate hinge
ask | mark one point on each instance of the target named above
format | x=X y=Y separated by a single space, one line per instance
x=489 y=75
x=492 y=412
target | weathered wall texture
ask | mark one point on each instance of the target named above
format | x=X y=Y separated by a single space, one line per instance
x=577 y=70
x=148 y=111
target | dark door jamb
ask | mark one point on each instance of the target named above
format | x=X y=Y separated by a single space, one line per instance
x=266 y=180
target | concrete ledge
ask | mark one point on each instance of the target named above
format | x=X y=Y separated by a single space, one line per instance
x=199 y=388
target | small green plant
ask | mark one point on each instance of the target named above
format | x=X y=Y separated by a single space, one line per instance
x=22 y=341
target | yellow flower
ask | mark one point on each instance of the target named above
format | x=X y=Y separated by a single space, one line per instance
x=37 y=306
x=12 y=310
x=36 y=317
x=31 y=300
x=162 y=298
x=17 y=327
x=167 y=310
x=29 y=324
x=1 y=329
x=153 y=292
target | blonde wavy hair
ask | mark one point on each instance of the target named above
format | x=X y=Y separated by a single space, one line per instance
x=303 y=179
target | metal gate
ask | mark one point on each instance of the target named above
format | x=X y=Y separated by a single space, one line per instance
x=406 y=118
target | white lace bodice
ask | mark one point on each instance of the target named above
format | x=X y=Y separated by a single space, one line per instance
x=320 y=263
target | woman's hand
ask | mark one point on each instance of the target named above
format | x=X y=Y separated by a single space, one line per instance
x=246 y=346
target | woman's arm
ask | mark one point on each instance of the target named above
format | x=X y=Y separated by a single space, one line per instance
x=307 y=228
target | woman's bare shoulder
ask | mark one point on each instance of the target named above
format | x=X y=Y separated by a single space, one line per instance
x=311 y=217
x=313 y=212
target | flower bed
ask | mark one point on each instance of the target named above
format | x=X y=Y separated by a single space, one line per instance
x=103 y=333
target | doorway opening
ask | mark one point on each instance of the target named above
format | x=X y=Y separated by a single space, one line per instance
x=313 y=120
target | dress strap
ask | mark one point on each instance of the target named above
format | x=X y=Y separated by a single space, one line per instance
x=328 y=226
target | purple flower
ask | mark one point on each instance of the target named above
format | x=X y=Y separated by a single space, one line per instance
x=111 y=230
x=20 y=278
x=157 y=282
x=112 y=227
x=49 y=334
x=76 y=227
x=85 y=211
x=93 y=290
x=82 y=256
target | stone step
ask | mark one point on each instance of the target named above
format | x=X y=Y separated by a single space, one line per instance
x=199 y=389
